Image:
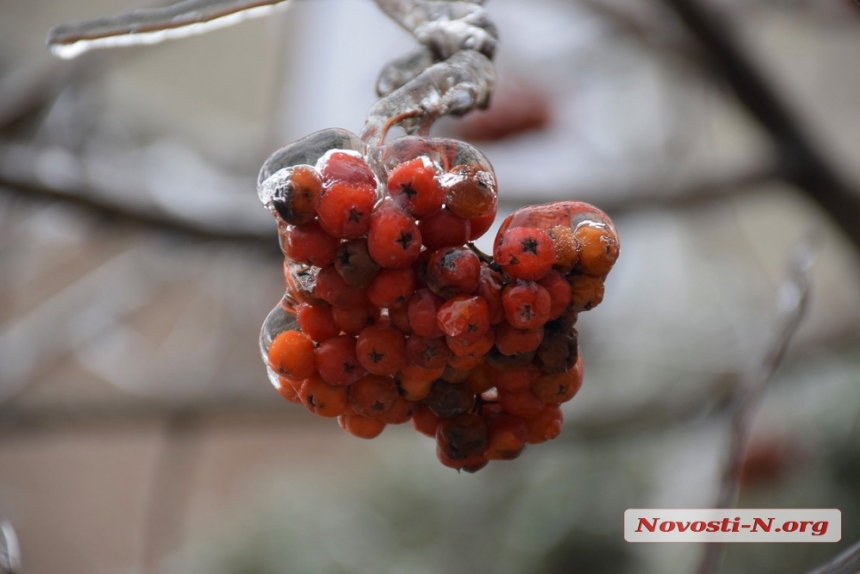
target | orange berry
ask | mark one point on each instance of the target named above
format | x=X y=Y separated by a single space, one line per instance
x=321 y=398
x=399 y=413
x=510 y=340
x=337 y=362
x=425 y=421
x=545 y=425
x=287 y=389
x=598 y=248
x=506 y=437
x=291 y=355
x=381 y=349
x=414 y=389
x=360 y=426
x=561 y=387
x=586 y=292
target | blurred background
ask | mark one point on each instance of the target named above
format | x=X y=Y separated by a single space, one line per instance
x=138 y=431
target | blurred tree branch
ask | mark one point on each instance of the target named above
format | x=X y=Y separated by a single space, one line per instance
x=808 y=168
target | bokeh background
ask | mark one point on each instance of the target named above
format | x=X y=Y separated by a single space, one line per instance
x=138 y=432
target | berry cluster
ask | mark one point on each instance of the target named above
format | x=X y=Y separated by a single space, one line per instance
x=400 y=318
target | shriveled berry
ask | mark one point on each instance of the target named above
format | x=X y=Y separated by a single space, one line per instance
x=462 y=437
x=490 y=288
x=291 y=355
x=381 y=350
x=310 y=244
x=355 y=265
x=527 y=305
x=344 y=211
x=525 y=253
x=415 y=186
x=393 y=239
x=337 y=362
x=501 y=362
x=444 y=229
x=558 y=352
x=449 y=399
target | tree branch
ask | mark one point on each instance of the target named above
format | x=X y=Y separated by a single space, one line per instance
x=794 y=299
x=812 y=171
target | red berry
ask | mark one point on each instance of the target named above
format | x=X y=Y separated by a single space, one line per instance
x=452 y=271
x=427 y=352
x=444 y=229
x=560 y=387
x=330 y=287
x=321 y=398
x=478 y=226
x=527 y=305
x=422 y=309
x=465 y=317
x=353 y=320
x=415 y=186
x=344 y=210
x=310 y=244
x=346 y=167
x=317 y=321
x=392 y=287
x=559 y=293
x=525 y=253
x=372 y=395
x=425 y=420
x=393 y=239
x=381 y=350
x=511 y=341
x=360 y=426
x=337 y=362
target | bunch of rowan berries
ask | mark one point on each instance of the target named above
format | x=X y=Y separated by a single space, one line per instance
x=399 y=318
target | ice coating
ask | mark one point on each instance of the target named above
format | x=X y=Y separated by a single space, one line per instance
x=309 y=149
x=278 y=320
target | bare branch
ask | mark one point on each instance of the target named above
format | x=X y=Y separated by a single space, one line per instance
x=150 y=26
x=794 y=297
x=812 y=171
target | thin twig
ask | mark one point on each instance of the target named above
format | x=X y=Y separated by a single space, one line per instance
x=149 y=26
x=794 y=299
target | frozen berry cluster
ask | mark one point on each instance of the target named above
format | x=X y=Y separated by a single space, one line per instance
x=391 y=315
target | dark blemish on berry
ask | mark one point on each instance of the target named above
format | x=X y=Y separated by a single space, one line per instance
x=473 y=327
x=354 y=215
x=405 y=240
x=408 y=190
x=530 y=245
x=378 y=406
x=345 y=256
x=430 y=352
x=527 y=312
x=311 y=401
x=348 y=367
x=562 y=390
x=376 y=356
